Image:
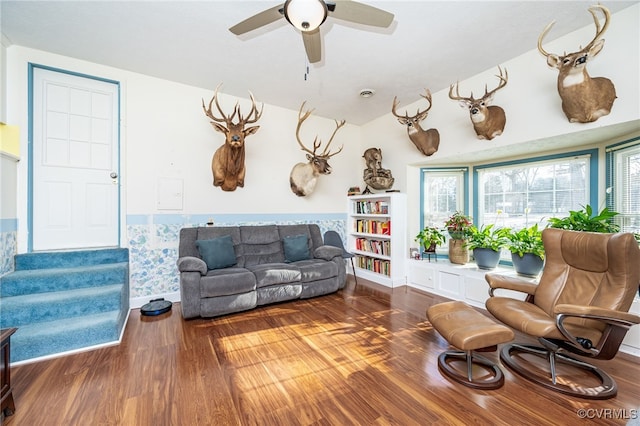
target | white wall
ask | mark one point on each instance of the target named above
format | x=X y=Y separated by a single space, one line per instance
x=168 y=135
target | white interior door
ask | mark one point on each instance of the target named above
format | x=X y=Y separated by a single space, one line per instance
x=75 y=162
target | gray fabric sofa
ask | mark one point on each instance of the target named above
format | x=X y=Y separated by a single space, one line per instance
x=236 y=268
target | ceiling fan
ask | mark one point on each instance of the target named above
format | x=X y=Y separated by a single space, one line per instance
x=308 y=15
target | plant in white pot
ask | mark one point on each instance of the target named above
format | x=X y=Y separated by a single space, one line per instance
x=527 y=250
x=486 y=243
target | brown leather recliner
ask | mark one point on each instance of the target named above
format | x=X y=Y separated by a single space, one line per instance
x=580 y=306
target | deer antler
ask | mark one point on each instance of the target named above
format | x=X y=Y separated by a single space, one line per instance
x=254 y=112
x=458 y=97
x=316 y=143
x=599 y=31
x=325 y=152
x=420 y=115
x=503 y=82
x=236 y=110
x=209 y=113
x=301 y=118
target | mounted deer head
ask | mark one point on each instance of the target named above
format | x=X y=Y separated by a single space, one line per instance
x=584 y=99
x=427 y=141
x=227 y=163
x=304 y=176
x=488 y=120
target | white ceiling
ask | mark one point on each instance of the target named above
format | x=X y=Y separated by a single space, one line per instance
x=430 y=44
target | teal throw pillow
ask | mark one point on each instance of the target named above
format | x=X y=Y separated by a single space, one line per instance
x=218 y=252
x=295 y=248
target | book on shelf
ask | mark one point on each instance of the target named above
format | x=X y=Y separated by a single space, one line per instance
x=374 y=246
x=375 y=265
x=373 y=226
x=372 y=207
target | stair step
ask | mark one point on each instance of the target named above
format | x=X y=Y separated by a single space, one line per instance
x=66 y=259
x=65 y=301
x=61 y=279
x=37 y=340
x=38 y=308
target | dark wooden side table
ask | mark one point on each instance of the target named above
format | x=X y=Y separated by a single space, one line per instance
x=7 y=406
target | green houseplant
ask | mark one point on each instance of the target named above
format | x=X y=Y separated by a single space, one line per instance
x=527 y=250
x=429 y=238
x=486 y=243
x=587 y=220
x=458 y=226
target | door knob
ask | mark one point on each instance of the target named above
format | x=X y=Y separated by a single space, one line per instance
x=113 y=175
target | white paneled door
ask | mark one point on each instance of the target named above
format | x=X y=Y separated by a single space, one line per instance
x=75 y=162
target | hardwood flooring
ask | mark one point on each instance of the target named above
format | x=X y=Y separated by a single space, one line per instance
x=363 y=356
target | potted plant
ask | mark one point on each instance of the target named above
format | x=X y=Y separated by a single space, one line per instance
x=486 y=243
x=586 y=220
x=429 y=238
x=527 y=250
x=458 y=225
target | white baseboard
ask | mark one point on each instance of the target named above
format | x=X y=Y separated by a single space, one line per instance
x=137 y=302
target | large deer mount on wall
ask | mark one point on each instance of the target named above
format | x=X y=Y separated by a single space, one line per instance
x=427 y=141
x=227 y=164
x=304 y=176
x=584 y=99
x=488 y=120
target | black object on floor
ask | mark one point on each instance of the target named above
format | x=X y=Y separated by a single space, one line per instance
x=156 y=307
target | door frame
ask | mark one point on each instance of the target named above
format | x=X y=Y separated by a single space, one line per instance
x=30 y=135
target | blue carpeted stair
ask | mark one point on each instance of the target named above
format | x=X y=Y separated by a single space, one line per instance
x=63 y=301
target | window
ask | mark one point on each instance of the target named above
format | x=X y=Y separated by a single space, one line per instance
x=443 y=192
x=623 y=184
x=519 y=194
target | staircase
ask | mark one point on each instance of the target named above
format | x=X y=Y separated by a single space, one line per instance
x=65 y=301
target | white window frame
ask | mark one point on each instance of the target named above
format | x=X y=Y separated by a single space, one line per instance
x=462 y=194
x=621 y=181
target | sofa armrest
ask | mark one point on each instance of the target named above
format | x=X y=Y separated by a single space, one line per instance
x=192 y=264
x=327 y=252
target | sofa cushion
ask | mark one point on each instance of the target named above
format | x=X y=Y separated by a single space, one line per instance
x=296 y=247
x=314 y=270
x=217 y=252
x=222 y=282
x=275 y=273
x=260 y=244
x=312 y=231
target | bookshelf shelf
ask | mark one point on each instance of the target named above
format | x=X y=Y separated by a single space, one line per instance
x=377 y=236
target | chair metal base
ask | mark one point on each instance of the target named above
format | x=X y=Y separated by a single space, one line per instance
x=606 y=389
x=495 y=381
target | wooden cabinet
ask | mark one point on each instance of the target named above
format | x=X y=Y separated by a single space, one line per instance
x=376 y=234
x=6 y=400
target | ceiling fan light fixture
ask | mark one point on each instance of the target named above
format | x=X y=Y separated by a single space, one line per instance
x=305 y=15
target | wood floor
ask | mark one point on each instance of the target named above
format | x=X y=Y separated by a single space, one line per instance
x=363 y=356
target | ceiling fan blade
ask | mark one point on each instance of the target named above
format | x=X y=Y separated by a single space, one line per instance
x=313 y=45
x=360 y=13
x=258 y=20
